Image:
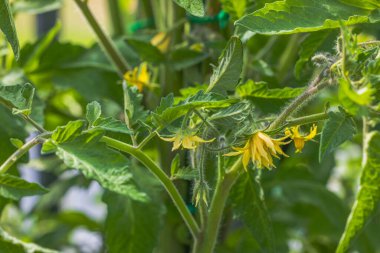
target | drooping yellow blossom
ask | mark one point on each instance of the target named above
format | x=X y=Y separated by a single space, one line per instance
x=139 y=76
x=299 y=140
x=260 y=149
x=162 y=41
x=188 y=141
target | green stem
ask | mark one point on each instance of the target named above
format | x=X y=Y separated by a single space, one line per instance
x=315 y=86
x=19 y=153
x=222 y=189
x=164 y=179
x=301 y=121
x=147 y=139
x=116 y=18
x=110 y=49
x=33 y=123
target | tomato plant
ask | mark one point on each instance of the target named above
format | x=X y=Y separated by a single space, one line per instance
x=205 y=126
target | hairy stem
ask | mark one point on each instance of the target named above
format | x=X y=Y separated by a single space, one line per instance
x=315 y=86
x=110 y=49
x=164 y=179
x=222 y=189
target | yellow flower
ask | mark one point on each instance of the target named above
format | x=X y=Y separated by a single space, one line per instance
x=139 y=76
x=260 y=148
x=188 y=141
x=162 y=41
x=299 y=140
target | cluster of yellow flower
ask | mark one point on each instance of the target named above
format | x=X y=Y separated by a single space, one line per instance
x=260 y=148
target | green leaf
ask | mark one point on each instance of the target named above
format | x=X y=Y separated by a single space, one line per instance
x=12 y=187
x=369 y=192
x=36 y=6
x=9 y=244
x=294 y=16
x=252 y=89
x=182 y=58
x=248 y=204
x=93 y=112
x=7 y=26
x=146 y=50
x=194 y=7
x=236 y=9
x=167 y=112
x=226 y=76
x=16 y=142
x=132 y=226
x=96 y=161
x=364 y=4
x=17 y=97
x=133 y=104
x=112 y=125
x=339 y=128
x=174 y=167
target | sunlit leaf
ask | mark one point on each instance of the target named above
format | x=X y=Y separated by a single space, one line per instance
x=96 y=161
x=8 y=243
x=93 y=112
x=294 y=16
x=15 y=188
x=226 y=75
x=252 y=89
x=369 y=193
x=194 y=7
x=7 y=26
x=18 y=97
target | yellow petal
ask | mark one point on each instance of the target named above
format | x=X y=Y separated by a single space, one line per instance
x=299 y=143
x=144 y=76
x=188 y=143
x=168 y=138
x=234 y=153
x=199 y=139
x=177 y=142
x=246 y=157
x=312 y=134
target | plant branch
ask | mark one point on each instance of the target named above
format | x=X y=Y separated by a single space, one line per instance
x=315 y=86
x=222 y=189
x=116 y=18
x=33 y=123
x=164 y=179
x=106 y=43
x=20 y=152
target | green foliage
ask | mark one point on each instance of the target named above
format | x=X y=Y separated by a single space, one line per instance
x=95 y=121
x=256 y=75
x=247 y=198
x=36 y=6
x=252 y=89
x=15 y=188
x=194 y=7
x=19 y=97
x=339 y=128
x=294 y=16
x=368 y=195
x=9 y=243
x=84 y=152
x=7 y=26
x=226 y=75
x=167 y=112
x=93 y=112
